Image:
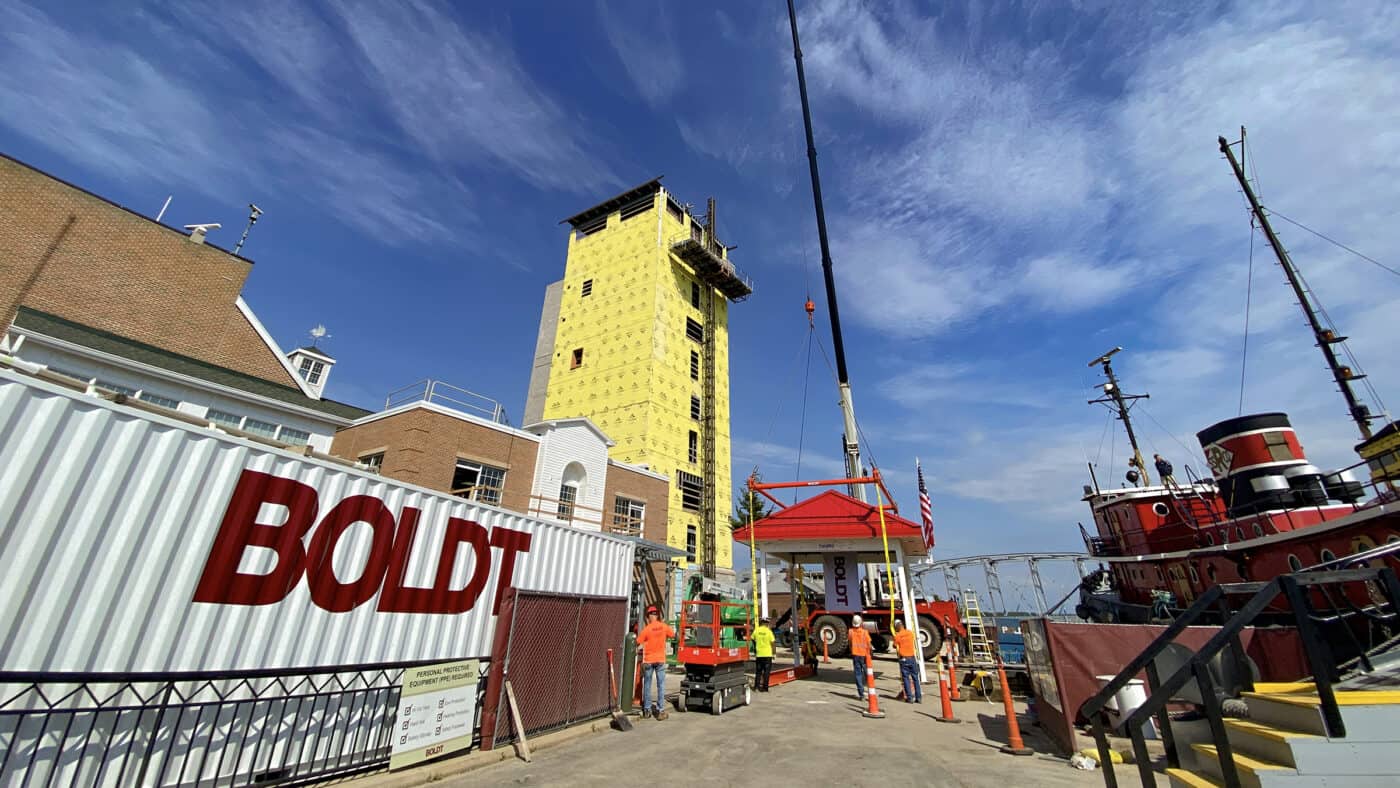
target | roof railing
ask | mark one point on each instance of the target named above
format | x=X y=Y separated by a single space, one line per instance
x=439 y=393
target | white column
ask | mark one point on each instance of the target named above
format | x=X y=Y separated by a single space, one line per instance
x=763 y=588
x=911 y=621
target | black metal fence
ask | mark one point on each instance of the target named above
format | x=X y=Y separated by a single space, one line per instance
x=1338 y=623
x=196 y=729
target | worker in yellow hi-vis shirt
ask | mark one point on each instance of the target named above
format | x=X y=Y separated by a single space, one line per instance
x=763 y=654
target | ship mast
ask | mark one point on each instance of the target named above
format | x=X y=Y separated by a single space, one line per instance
x=1326 y=338
x=1120 y=402
x=850 y=437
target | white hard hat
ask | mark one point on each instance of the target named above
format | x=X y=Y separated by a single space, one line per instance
x=855 y=621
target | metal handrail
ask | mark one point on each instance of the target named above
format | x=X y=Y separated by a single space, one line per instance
x=430 y=390
x=1320 y=660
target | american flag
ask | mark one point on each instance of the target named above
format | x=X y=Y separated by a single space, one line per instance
x=925 y=508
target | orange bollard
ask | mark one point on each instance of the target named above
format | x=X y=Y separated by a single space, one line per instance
x=943 y=696
x=1013 y=728
x=874 y=703
x=826 y=659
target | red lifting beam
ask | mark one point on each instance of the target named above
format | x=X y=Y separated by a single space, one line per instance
x=762 y=488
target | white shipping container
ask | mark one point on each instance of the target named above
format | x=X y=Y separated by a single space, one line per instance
x=110 y=518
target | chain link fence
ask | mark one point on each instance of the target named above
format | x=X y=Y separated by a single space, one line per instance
x=556 y=660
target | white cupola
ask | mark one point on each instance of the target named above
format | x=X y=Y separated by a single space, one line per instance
x=313 y=365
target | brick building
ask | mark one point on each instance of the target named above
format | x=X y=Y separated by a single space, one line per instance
x=102 y=294
x=557 y=469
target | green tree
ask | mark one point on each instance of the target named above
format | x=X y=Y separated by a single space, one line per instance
x=742 y=508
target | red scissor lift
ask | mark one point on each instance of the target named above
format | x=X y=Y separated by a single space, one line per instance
x=714 y=647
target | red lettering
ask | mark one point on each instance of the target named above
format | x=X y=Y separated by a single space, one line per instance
x=511 y=543
x=391 y=548
x=326 y=589
x=221 y=582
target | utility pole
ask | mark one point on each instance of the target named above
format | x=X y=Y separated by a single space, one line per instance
x=851 y=437
x=1326 y=338
x=1113 y=393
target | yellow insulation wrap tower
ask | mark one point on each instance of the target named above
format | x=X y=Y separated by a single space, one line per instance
x=636 y=338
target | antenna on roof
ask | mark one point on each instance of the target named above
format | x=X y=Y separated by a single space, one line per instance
x=163 y=207
x=253 y=213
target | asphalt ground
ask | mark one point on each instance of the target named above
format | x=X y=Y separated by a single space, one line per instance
x=807 y=732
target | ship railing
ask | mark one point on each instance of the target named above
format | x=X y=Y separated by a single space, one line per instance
x=1322 y=662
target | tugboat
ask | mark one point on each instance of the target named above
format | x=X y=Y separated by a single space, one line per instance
x=1264 y=510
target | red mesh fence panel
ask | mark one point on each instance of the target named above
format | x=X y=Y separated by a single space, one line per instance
x=556 y=660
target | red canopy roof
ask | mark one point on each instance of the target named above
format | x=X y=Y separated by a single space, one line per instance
x=833 y=515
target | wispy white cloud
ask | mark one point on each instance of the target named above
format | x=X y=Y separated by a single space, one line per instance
x=182 y=106
x=640 y=34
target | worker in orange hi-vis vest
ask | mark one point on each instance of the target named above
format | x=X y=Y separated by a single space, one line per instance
x=652 y=641
x=906 y=647
x=860 y=654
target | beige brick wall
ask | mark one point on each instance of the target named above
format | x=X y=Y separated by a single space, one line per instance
x=422 y=447
x=638 y=486
x=74 y=255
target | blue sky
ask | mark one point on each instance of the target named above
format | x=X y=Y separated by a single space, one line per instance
x=1012 y=188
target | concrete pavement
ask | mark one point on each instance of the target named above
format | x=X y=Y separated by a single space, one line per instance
x=808 y=732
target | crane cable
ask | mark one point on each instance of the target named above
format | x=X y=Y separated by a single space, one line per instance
x=885 y=539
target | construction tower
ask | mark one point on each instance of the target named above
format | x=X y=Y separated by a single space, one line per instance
x=636 y=338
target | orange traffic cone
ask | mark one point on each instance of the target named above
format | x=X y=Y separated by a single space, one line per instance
x=1014 y=744
x=870 y=693
x=943 y=696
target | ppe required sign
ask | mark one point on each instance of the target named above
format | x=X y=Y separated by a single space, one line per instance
x=436 y=712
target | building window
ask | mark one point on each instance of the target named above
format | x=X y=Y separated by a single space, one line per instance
x=587 y=289
x=373 y=462
x=628 y=514
x=691 y=539
x=695 y=407
x=311 y=370
x=1278 y=445
x=576 y=359
x=115 y=388
x=695 y=295
x=568 y=495
x=591 y=227
x=477 y=482
x=694 y=365
x=264 y=428
x=694 y=330
x=694 y=447
x=156 y=399
x=226 y=419
x=294 y=437
x=636 y=209
x=692 y=490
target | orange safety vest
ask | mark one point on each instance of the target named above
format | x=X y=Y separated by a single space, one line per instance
x=904 y=642
x=652 y=640
x=860 y=642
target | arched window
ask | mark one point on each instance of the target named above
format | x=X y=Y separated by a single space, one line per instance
x=572 y=488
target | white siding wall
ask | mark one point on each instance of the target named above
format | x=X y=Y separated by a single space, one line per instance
x=195 y=401
x=566 y=443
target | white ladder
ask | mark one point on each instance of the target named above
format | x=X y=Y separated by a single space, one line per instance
x=977 y=641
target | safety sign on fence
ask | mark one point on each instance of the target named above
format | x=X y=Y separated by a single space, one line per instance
x=436 y=711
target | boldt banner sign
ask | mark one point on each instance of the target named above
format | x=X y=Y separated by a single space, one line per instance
x=134 y=542
x=841 y=575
